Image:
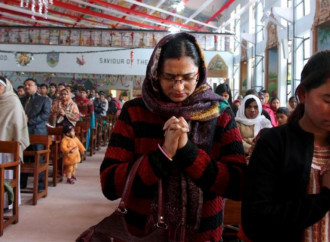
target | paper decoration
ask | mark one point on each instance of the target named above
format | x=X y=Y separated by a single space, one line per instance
x=53 y=58
x=23 y=59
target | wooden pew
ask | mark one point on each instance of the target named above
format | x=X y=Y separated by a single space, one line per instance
x=55 y=154
x=83 y=127
x=35 y=168
x=11 y=218
x=232 y=217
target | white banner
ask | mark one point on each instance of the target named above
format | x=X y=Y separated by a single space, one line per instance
x=89 y=60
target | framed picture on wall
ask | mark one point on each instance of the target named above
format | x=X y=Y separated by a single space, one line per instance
x=23 y=36
x=54 y=35
x=106 y=38
x=85 y=38
x=13 y=35
x=34 y=36
x=44 y=36
x=74 y=37
x=4 y=35
x=96 y=38
x=65 y=37
x=323 y=36
x=272 y=71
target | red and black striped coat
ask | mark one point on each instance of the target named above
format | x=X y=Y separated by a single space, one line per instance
x=219 y=173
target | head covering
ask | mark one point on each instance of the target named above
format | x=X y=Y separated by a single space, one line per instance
x=3 y=81
x=259 y=122
x=12 y=119
x=200 y=105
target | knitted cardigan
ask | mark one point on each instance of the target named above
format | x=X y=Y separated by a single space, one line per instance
x=218 y=173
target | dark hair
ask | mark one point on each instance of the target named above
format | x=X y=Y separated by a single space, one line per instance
x=251 y=91
x=61 y=84
x=67 y=129
x=43 y=85
x=264 y=91
x=82 y=89
x=273 y=99
x=293 y=97
x=52 y=85
x=3 y=79
x=20 y=87
x=182 y=44
x=248 y=102
x=261 y=93
x=101 y=93
x=31 y=79
x=224 y=87
x=283 y=110
x=314 y=74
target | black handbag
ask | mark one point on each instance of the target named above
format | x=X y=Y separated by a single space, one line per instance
x=114 y=228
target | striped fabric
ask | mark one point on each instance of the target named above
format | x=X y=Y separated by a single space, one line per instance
x=320 y=231
x=138 y=132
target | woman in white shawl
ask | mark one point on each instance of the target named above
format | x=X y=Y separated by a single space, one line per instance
x=250 y=121
x=12 y=120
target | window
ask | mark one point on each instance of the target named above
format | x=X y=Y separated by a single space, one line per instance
x=302 y=8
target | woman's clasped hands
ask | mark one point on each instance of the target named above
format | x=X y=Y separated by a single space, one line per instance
x=176 y=135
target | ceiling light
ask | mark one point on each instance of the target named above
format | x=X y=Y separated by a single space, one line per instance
x=174 y=29
x=179 y=6
x=42 y=6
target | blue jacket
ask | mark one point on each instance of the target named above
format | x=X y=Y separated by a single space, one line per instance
x=38 y=112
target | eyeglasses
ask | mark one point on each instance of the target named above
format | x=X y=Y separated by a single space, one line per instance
x=64 y=94
x=185 y=79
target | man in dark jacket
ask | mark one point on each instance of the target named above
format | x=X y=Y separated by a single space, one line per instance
x=37 y=110
x=98 y=106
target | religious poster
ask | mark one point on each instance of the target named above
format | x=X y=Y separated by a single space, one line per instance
x=96 y=38
x=65 y=37
x=23 y=36
x=44 y=36
x=127 y=39
x=34 y=36
x=139 y=39
x=85 y=37
x=13 y=35
x=217 y=67
x=116 y=39
x=4 y=35
x=323 y=36
x=106 y=38
x=75 y=37
x=272 y=71
x=54 y=36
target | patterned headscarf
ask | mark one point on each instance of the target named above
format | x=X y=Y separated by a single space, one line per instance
x=200 y=105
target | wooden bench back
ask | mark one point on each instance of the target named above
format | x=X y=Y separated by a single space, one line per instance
x=45 y=140
x=55 y=131
x=10 y=147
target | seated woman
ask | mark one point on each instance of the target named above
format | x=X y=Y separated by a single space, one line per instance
x=250 y=121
